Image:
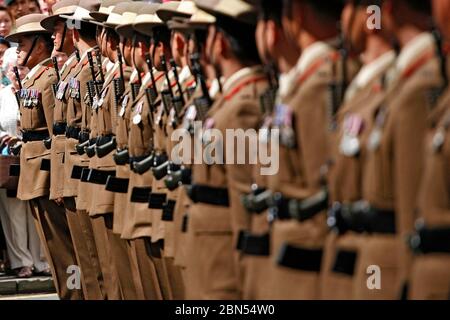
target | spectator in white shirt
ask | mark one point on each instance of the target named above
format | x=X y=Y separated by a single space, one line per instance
x=24 y=249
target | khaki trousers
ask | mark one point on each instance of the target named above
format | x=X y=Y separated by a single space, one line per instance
x=52 y=226
x=85 y=250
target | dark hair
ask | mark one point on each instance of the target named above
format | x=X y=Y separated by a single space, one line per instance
x=241 y=37
x=272 y=10
x=423 y=6
x=87 y=31
x=48 y=41
x=326 y=9
x=112 y=34
x=5 y=42
x=162 y=34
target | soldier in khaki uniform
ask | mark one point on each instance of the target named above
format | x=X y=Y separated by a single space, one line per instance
x=76 y=161
x=36 y=108
x=214 y=268
x=280 y=56
x=354 y=123
x=430 y=276
x=63 y=36
x=303 y=112
x=395 y=147
x=138 y=225
x=102 y=206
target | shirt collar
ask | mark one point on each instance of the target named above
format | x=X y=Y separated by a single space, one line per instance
x=86 y=52
x=34 y=70
x=185 y=73
x=311 y=54
x=238 y=75
x=67 y=63
x=369 y=71
x=413 y=50
x=285 y=82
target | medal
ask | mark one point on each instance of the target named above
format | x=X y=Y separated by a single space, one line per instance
x=123 y=106
x=438 y=140
x=350 y=144
x=102 y=98
x=137 y=118
x=159 y=113
x=374 y=139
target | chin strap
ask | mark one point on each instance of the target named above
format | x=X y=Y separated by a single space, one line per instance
x=63 y=38
x=33 y=44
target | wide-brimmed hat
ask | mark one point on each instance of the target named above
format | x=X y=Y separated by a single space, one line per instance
x=172 y=9
x=200 y=20
x=83 y=10
x=147 y=20
x=129 y=16
x=63 y=7
x=28 y=25
x=105 y=9
x=237 y=10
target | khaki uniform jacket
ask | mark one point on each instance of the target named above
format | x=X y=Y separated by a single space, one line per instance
x=137 y=221
x=34 y=182
x=395 y=163
x=78 y=115
x=122 y=171
x=212 y=262
x=57 y=178
x=434 y=194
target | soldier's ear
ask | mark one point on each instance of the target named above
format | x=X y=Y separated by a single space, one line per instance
x=271 y=34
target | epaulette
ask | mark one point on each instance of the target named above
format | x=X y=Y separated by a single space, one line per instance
x=243 y=85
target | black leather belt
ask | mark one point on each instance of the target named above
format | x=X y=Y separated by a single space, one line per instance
x=157 y=200
x=72 y=132
x=99 y=176
x=85 y=173
x=168 y=209
x=345 y=262
x=300 y=258
x=140 y=194
x=254 y=245
x=361 y=217
x=431 y=240
x=117 y=185
x=45 y=165
x=76 y=172
x=59 y=128
x=208 y=195
x=28 y=136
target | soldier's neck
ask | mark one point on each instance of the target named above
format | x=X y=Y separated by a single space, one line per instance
x=230 y=67
x=406 y=34
x=376 y=46
x=84 y=46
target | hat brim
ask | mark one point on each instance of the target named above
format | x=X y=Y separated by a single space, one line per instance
x=248 y=18
x=166 y=15
x=176 y=25
x=68 y=17
x=99 y=16
x=126 y=30
x=49 y=22
x=15 y=37
x=145 y=28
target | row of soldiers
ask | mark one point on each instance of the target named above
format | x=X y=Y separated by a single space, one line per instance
x=359 y=208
